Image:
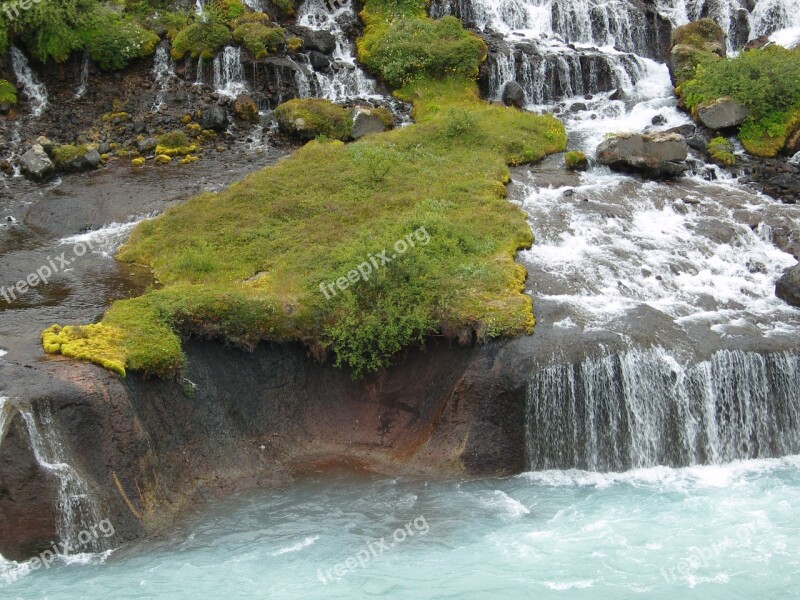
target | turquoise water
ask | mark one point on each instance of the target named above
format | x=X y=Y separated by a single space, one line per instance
x=727 y=531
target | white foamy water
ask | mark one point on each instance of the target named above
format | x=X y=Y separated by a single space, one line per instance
x=229 y=72
x=29 y=82
x=163 y=75
x=106 y=240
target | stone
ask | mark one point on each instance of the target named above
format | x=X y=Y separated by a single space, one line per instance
x=245 y=108
x=365 y=122
x=83 y=162
x=757 y=43
x=788 y=286
x=319 y=40
x=214 y=118
x=146 y=145
x=319 y=61
x=658 y=120
x=655 y=155
x=36 y=164
x=47 y=144
x=723 y=113
x=513 y=95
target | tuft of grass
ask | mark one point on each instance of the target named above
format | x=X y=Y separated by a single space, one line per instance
x=175 y=143
x=259 y=39
x=721 y=152
x=8 y=93
x=309 y=118
x=575 y=160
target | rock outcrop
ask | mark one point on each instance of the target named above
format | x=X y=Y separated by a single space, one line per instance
x=788 y=286
x=654 y=155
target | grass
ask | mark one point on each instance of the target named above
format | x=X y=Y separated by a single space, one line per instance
x=309 y=118
x=721 y=152
x=8 y=93
x=246 y=264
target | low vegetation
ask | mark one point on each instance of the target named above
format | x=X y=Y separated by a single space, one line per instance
x=309 y=118
x=8 y=93
x=721 y=152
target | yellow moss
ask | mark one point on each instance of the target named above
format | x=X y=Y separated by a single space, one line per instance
x=98 y=343
x=186 y=119
x=163 y=159
x=115 y=116
x=189 y=159
x=137 y=162
x=193 y=127
x=180 y=151
x=104 y=157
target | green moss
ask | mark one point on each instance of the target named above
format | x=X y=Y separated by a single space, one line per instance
x=286 y=8
x=312 y=117
x=575 y=160
x=767 y=81
x=259 y=39
x=97 y=343
x=200 y=40
x=701 y=34
x=175 y=143
x=229 y=10
x=64 y=155
x=8 y=93
x=721 y=152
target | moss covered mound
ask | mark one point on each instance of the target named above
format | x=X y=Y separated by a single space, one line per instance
x=259 y=39
x=309 y=118
x=8 y=93
x=767 y=81
x=200 y=40
x=356 y=250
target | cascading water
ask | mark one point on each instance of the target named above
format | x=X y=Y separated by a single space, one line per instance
x=229 y=72
x=163 y=75
x=642 y=408
x=78 y=510
x=83 y=85
x=344 y=79
x=5 y=413
x=198 y=80
x=33 y=89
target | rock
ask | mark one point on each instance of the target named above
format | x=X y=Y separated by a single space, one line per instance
x=577 y=106
x=147 y=145
x=214 y=118
x=139 y=127
x=757 y=43
x=47 y=144
x=618 y=94
x=723 y=113
x=5 y=108
x=656 y=155
x=658 y=120
x=365 y=121
x=513 y=94
x=689 y=42
x=788 y=286
x=36 y=164
x=319 y=61
x=245 y=108
x=319 y=40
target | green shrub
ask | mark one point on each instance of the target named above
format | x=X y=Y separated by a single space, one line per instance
x=112 y=42
x=721 y=152
x=200 y=40
x=174 y=22
x=413 y=47
x=309 y=118
x=260 y=40
x=8 y=93
x=767 y=81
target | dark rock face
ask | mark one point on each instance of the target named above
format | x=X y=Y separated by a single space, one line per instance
x=242 y=421
x=655 y=155
x=36 y=164
x=513 y=95
x=319 y=61
x=723 y=113
x=214 y=118
x=321 y=41
x=788 y=286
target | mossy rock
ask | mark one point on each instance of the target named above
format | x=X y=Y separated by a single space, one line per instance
x=71 y=158
x=576 y=161
x=200 y=40
x=309 y=118
x=721 y=152
x=260 y=40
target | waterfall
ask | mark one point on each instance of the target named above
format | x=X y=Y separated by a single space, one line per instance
x=77 y=508
x=27 y=79
x=198 y=80
x=5 y=414
x=345 y=79
x=163 y=74
x=83 y=86
x=229 y=73
x=642 y=408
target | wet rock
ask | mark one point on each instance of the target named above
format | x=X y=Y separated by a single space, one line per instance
x=757 y=43
x=618 y=94
x=84 y=160
x=655 y=155
x=321 y=41
x=5 y=108
x=245 y=108
x=139 y=127
x=723 y=113
x=577 y=107
x=146 y=145
x=788 y=286
x=513 y=94
x=784 y=186
x=659 y=120
x=214 y=118
x=36 y=164
x=319 y=61
x=365 y=122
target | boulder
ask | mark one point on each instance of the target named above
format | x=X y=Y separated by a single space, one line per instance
x=245 y=108
x=214 y=118
x=689 y=43
x=757 y=43
x=513 y=94
x=723 y=113
x=788 y=286
x=146 y=145
x=319 y=61
x=321 y=41
x=47 y=144
x=36 y=164
x=656 y=155
x=366 y=121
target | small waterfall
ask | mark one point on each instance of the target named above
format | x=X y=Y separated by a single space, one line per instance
x=5 y=414
x=229 y=73
x=345 y=79
x=27 y=79
x=83 y=86
x=163 y=74
x=198 y=80
x=78 y=510
x=642 y=409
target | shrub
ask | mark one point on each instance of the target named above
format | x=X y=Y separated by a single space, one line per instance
x=259 y=39
x=312 y=117
x=200 y=40
x=229 y=10
x=413 y=47
x=112 y=42
x=8 y=93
